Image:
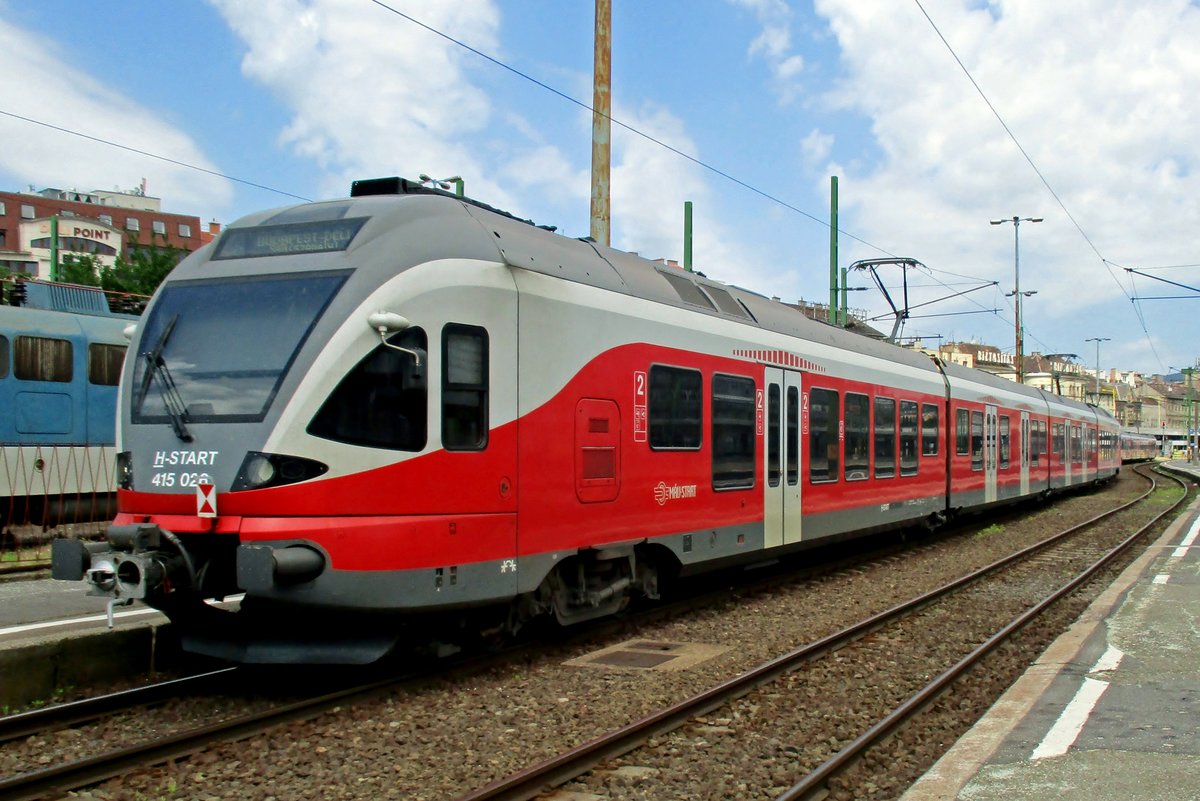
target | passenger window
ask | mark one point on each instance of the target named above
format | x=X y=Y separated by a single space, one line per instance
x=793 y=436
x=976 y=440
x=675 y=407
x=43 y=359
x=908 y=438
x=885 y=437
x=962 y=433
x=929 y=429
x=464 y=388
x=1005 y=441
x=823 y=445
x=3 y=356
x=858 y=437
x=773 y=460
x=383 y=401
x=104 y=364
x=734 y=437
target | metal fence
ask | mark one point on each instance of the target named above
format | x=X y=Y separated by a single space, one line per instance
x=49 y=491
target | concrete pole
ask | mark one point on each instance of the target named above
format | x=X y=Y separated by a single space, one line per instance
x=602 y=123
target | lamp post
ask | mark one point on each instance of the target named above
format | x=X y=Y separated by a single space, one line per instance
x=1098 y=340
x=1017 y=293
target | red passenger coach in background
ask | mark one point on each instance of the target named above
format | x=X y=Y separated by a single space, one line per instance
x=405 y=405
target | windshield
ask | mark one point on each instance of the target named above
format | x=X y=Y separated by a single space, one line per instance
x=225 y=344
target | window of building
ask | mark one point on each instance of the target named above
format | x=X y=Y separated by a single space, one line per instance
x=976 y=440
x=464 y=388
x=734 y=437
x=3 y=209
x=885 y=437
x=133 y=224
x=383 y=401
x=42 y=359
x=773 y=426
x=962 y=432
x=105 y=218
x=185 y=230
x=159 y=227
x=858 y=437
x=1005 y=441
x=26 y=211
x=909 y=429
x=104 y=364
x=3 y=239
x=674 y=408
x=929 y=429
x=823 y=445
x=793 y=436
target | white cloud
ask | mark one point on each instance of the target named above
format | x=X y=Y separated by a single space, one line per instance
x=41 y=86
x=774 y=43
x=1098 y=95
x=370 y=92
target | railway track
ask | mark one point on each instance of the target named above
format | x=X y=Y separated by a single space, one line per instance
x=94 y=769
x=833 y=760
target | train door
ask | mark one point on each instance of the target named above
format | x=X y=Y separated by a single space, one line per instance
x=1026 y=442
x=991 y=425
x=781 y=458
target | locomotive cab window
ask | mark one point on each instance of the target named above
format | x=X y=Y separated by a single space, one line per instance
x=675 y=406
x=464 y=388
x=733 y=432
x=382 y=402
x=43 y=359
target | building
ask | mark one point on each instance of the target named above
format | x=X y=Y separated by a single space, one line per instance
x=103 y=224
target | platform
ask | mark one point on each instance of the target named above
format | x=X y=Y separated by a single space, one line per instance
x=1111 y=710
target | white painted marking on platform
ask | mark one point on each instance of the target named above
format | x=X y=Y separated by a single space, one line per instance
x=1110 y=660
x=102 y=618
x=1188 y=541
x=1066 y=729
x=1162 y=578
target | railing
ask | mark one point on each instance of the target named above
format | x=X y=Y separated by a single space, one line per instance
x=49 y=491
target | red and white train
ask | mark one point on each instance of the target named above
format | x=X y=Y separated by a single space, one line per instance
x=407 y=402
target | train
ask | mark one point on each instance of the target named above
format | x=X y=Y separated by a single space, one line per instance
x=62 y=348
x=406 y=405
x=1138 y=447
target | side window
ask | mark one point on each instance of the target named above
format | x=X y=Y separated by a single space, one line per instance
x=976 y=440
x=773 y=410
x=733 y=432
x=1005 y=441
x=104 y=364
x=793 y=436
x=909 y=429
x=823 y=445
x=858 y=436
x=929 y=429
x=383 y=401
x=675 y=407
x=885 y=437
x=464 y=388
x=3 y=356
x=43 y=359
x=962 y=432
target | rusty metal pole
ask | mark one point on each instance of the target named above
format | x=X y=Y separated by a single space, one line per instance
x=602 y=123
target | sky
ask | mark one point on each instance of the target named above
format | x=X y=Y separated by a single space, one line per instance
x=936 y=116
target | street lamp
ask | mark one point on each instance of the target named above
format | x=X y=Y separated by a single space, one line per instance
x=1098 y=340
x=1017 y=293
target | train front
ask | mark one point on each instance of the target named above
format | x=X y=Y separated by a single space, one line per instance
x=238 y=467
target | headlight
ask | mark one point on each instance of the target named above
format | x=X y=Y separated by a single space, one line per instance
x=261 y=470
x=125 y=470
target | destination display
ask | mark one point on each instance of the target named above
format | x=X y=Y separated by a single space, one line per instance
x=288 y=240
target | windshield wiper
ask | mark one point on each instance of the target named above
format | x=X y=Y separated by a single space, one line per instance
x=156 y=371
